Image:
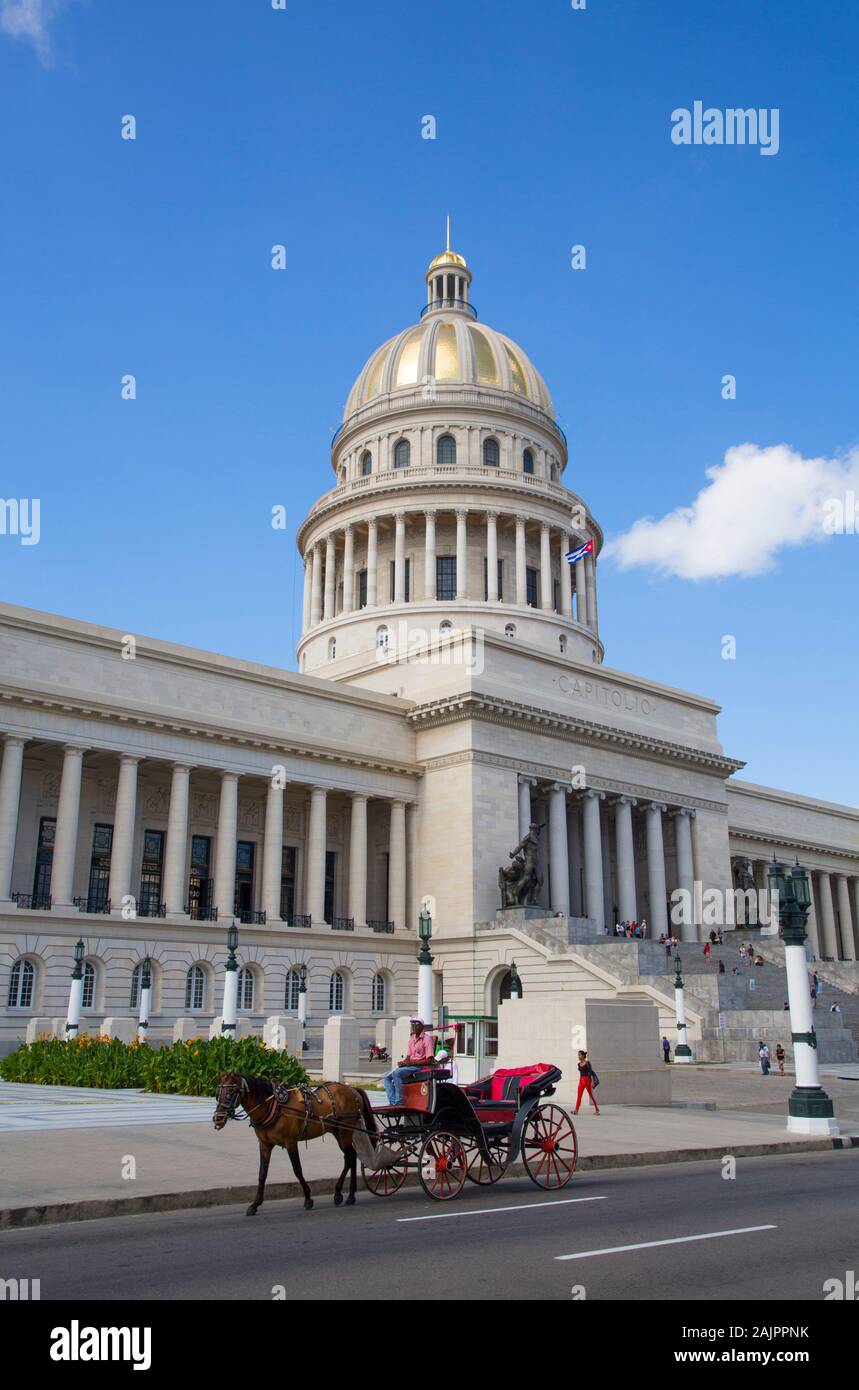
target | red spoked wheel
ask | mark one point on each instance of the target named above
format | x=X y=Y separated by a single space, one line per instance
x=549 y=1146
x=442 y=1166
x=384 y=1182
x=486 y=1172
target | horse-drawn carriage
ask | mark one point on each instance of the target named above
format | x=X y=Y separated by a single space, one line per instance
x=452 y=1133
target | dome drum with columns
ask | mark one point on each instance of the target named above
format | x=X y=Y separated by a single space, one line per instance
x=449 y=509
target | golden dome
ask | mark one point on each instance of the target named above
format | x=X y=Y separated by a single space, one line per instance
x=448 y=257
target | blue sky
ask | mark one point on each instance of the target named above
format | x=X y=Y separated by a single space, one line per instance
x=302 y=127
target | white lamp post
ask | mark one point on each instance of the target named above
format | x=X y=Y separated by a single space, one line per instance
x=810 y=1110
x=145 y=999
x=230 y=1013
x=302 y=1004
x=425 y=969
x=76 y=991
x=682 y=1052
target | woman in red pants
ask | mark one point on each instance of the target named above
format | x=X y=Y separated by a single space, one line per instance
x=586 y=1080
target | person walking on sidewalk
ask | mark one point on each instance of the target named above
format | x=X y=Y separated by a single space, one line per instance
x=779 y=1056
x=666 y=1049
x=588 y=1079
x=764 y=1056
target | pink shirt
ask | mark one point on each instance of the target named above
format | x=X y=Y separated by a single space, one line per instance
x=421 y=1048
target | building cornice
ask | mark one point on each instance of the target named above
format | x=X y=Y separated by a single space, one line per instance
x=788 y=842
x=495 y=710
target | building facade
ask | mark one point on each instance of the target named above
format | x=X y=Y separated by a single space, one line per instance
x=452 y=689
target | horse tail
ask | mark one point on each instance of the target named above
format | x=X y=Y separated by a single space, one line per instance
x=367 y=1110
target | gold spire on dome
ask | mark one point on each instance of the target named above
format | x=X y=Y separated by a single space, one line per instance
x=447 y=256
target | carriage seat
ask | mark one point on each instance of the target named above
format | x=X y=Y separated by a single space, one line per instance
x=506 y=1088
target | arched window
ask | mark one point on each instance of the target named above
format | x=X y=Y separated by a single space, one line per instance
x=246 y=988
x=21 y=985
x=366 y=464
x=402 y=454
x=528 y=461
x=445 y=628
x=88 y=997
x=510 y=630
x=554 y=472
x=445 y=450
x=136 y=986
x=380 y=994
x=293 y=983
x=332 y=648
x=491 y=453
x=336 y=993
x=382 y=639
x=195 y=988
x=562 y=642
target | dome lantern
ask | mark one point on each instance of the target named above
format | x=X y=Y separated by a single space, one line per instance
x=448 y=280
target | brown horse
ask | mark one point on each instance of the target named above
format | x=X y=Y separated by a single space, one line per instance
x=330 y=1108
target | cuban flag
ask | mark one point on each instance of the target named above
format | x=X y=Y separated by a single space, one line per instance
x=586 y=549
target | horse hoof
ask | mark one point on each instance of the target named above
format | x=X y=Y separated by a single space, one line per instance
x=338 y=1198
x=350 y=1201
x=308 y=1204
x=251 y=1211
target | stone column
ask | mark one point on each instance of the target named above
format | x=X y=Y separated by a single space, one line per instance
x=372 y=563
x=856 y=905
x=559 y=872
x=397 y=865
x=400 y=558
x=521 y=564
x=685 y=869
x=272 y=871
x=316 y=846
x=848 y=947
x=811 y=925
x=545 y=568
x=66 y=837
x=176 y=848
x=10 y=800
x=827 y=915
x=308 y=593
x=593 y=857
x=122 y=844
x=316 y=587
x=625 y=859
x=566 y=577
x=358 y=860
x=656 y=871
x=330 y=576
x=588 y=561
x=581 y=592
x=348 y=568
x=574 y=853
x=429 y=556
x=492 y=557
x=525 y=785
x=225 y=846
x=461 y=553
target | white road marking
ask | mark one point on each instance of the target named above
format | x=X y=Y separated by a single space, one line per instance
x=651 y=1244
x=491 y=1211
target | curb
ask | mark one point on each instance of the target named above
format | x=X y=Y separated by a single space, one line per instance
x=59 y=1213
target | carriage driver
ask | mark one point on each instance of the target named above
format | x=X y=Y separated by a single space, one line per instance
x=419 y=1055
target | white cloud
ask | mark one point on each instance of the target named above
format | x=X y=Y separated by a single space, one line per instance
x=30 y=19
x=755 y=503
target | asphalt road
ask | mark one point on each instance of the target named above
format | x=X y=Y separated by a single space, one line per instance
x=794 y=1222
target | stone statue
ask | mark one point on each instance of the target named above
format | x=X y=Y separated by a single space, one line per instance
x=520 y=881
x=743 y=876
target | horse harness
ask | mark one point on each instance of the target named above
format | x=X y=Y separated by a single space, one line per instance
x=309 y=1096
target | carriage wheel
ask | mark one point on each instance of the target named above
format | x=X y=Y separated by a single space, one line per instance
x=442 y=1167
x=483 y=1172
x=384 y=1182
x=549 y=1146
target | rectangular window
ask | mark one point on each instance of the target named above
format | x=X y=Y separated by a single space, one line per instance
x=408 y=580
x=531 y=588
x=465 y=1039
x=150 y=873
x=287 y=884
x=556 y=595
x=445 y=577
x=485 y=581
x=244 y=896
x=99 y=869
x=200 y=882
x=330 y=871
x=44 y=861
x=362 y=588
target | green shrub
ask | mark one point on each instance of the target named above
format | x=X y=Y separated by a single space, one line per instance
x=185 y=1068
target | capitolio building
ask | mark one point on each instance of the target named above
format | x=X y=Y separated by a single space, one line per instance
x=452 y=690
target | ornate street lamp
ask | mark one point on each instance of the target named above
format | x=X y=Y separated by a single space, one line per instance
x=229 y=1017
x=682 y=1050
x=302 y=1004
x=810 y=1110
x=515 y=982
x=425 y=969
x=145 y=999
x=76 y=991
